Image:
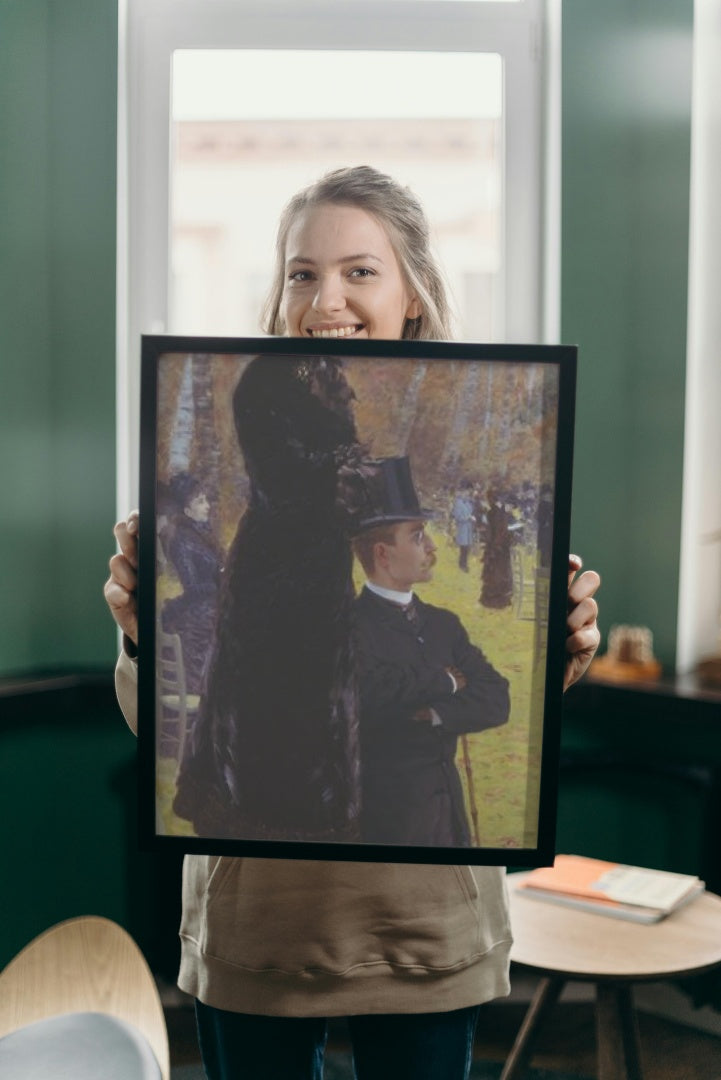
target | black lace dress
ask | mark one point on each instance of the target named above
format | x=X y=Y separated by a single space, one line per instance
x=274 y=751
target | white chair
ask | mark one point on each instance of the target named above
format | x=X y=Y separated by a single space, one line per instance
x=175 y=705
x=542 y=588
x=79 y=1002
x=524 y=588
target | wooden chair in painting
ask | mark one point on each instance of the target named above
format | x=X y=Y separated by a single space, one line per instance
x=524 y=587
x=176 y=706
x=541 y=594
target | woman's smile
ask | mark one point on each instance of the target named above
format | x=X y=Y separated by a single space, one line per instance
x=334 y=331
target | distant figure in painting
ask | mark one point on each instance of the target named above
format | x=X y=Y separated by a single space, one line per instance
x=545 y=526
x=462 y=514
x=497 y=574
x=422 y=683
x=283 y=639
x=190 y=547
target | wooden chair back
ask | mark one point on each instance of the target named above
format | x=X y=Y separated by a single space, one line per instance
x=87 y=964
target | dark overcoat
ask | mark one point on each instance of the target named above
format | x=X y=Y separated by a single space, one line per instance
x=411 y=790
x=497 y=575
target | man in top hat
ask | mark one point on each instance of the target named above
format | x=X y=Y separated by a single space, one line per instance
x=421 y=681
x=462 y=514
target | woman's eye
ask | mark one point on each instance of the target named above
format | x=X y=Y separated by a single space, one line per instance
x=299 y=275
x=362 y=272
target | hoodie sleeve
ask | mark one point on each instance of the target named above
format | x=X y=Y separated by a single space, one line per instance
x=126 y=688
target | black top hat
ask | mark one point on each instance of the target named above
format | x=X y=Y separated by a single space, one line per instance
x=390 y=494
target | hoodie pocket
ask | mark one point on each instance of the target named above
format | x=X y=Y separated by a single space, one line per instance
x=297 y=916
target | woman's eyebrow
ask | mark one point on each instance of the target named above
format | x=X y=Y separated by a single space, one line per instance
x=361 y=257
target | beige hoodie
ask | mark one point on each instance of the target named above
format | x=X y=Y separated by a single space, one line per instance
x=284 y=937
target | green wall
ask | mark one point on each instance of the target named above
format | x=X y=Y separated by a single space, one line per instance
x=68 y=803
x=58 y=73
x=626 y=146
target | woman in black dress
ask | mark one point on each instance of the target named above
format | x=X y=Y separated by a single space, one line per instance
x=283 y=633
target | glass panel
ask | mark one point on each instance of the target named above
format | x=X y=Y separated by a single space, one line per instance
x=250 y=128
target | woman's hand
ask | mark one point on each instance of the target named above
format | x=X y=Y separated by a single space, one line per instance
x=583 y=636
x=121 y=587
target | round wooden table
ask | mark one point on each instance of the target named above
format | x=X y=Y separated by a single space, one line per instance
x=562 y=944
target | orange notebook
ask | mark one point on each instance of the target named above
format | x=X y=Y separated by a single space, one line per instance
x=631 y=892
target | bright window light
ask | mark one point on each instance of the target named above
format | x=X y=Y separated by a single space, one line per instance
x=238 y=155
x=223 y=84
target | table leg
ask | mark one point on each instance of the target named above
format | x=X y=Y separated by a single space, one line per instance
x=545 y=997
x=617 y=1033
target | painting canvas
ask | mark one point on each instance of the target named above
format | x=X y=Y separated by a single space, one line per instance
x=353 y=573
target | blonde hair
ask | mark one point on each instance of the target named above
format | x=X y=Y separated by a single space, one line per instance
x=403 y=217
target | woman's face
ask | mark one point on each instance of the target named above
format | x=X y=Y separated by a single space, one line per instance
x=198 y=509
x=342 y=277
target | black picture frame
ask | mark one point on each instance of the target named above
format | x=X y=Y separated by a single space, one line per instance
x=499 y=417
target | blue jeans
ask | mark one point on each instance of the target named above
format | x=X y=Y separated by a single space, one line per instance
x=416 y=1046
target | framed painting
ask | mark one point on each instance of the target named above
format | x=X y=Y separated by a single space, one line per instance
x=352 y=597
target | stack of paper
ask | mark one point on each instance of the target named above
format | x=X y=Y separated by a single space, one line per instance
x=624 y=892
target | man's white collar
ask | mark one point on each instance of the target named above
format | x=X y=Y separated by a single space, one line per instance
x=393 y=595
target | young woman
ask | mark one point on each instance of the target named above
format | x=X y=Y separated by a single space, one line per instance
x=271 y=948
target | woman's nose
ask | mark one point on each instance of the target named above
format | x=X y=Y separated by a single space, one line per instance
x=329 y=295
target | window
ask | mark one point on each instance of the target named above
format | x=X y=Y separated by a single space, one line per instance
x=227 y=107
x=235 y=161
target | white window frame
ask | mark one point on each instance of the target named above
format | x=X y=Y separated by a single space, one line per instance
x=526 y=34
x=699 y=598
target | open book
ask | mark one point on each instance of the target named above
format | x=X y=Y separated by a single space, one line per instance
x=608 y=888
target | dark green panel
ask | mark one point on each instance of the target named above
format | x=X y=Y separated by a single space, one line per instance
x=626 y=146
x=58 y=74
x=641 y=777
x=26 y=485
x=83 y=75
x=68 y=797
x=624 y=816
x=68 y=786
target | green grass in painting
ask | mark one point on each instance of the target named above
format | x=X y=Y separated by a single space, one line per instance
x=504 y=762
x=165 y=793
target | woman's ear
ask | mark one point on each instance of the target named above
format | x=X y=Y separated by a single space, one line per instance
x=415 y=309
